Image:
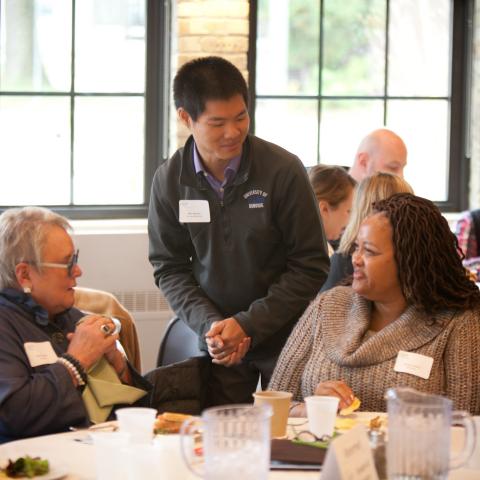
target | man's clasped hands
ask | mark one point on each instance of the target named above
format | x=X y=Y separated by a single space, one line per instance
x=227 y=342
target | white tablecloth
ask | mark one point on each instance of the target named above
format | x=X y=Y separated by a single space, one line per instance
x=69 y=454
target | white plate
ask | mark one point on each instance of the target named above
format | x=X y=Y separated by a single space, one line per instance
x=363 y=418
x=56 y=473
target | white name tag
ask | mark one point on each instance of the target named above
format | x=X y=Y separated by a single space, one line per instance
x=350 y=456
x=40 y=353
x=414 y=364
x=194 y=211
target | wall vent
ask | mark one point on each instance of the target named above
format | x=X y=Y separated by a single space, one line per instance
x=142 y=300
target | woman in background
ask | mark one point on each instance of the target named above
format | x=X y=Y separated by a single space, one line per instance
x=379 y=186
x=467 y=230
x=333 y=188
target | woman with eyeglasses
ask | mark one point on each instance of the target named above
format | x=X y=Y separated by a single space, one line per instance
x=47 y=348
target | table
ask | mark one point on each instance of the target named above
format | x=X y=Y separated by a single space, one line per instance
x=69 y=453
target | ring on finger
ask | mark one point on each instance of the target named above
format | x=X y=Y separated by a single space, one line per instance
x=106 y=329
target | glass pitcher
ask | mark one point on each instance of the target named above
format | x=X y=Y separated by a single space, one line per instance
x=235 y=443
x=419 y=435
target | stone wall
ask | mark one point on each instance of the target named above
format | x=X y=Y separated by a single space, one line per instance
x=208 y=27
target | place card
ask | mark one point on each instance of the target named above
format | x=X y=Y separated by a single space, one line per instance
x=350 y=456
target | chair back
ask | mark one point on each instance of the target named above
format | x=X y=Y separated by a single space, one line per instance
x=178 y=343
x=100 y=302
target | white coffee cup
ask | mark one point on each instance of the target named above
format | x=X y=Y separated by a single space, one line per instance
x=321 y=413
x=138 y=422
x=110 y=448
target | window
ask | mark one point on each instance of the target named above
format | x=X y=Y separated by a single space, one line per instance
x=80 y=104
x=342 y=69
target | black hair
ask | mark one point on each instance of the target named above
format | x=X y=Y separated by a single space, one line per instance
x=207 y=78
x=428 y=258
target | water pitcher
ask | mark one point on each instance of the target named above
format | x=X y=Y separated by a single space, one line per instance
x=419 y=429
x=229 y=443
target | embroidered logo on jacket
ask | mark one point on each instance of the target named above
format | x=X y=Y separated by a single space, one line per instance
x=255 y=198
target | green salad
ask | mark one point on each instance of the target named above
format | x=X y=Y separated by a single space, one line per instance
x=28 y=467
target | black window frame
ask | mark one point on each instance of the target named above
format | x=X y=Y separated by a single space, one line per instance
x=156 y=96
x=460 y=97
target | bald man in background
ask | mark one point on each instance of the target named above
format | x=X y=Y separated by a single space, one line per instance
x=380 y=151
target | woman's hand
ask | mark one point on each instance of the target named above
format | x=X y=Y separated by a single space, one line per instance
x=119 y=363
x=88 y=343
x=336 y=388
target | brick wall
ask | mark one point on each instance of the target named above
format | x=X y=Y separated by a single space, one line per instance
x=208 y=27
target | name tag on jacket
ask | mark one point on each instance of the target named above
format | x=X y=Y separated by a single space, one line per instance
x=414 y=364
x=194 y=211
x=40 y=353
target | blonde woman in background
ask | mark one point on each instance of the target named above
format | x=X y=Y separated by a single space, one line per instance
x=379 y=186
x=333 y=188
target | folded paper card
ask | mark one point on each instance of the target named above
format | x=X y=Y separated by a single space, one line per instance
x=350 y=456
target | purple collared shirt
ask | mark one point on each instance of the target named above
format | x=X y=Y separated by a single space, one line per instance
x=229 y=173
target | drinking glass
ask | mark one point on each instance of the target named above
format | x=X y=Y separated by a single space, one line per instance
x=419 y=427
x=474 y=462
x=110 y=450
x=170 y=456
x=138 y=422
x=321 y=414
x=235 y=443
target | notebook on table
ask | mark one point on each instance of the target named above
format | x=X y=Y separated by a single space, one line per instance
x=286 y=455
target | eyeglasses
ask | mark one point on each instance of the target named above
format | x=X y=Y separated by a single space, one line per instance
x=306 y=437
x=69 y=266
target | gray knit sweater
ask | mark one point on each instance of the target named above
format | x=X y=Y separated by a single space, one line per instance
x=329 y=343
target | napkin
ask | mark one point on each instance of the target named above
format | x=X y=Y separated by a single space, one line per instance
x=104 y=390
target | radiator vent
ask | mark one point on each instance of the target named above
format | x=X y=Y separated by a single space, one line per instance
x=143 y=300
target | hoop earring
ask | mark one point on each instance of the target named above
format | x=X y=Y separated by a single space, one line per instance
x=27 y=290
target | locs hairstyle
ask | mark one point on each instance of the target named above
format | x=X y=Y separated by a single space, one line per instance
x=428 y=258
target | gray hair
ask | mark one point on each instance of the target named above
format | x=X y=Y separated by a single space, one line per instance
x=23 y=235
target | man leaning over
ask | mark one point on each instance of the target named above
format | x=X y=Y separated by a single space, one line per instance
x=236 y=242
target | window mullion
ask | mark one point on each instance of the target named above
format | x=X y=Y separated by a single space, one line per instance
x=387 y=45
x=320 y=73
x=72 y=106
